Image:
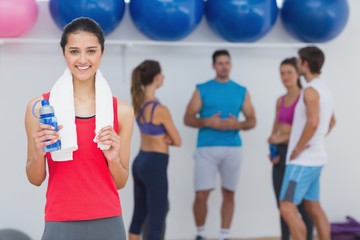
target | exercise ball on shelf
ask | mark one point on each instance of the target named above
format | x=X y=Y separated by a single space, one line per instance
x=241 y=20
x=13 y=234
x=315 y=20
x=168 y=20
x=17 y=17
x=108 y=13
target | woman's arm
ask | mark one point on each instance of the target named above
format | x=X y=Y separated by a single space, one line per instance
x=36 y=136
x=276 y=122
x=119 y=152
x=164 y=116
x=277 y=137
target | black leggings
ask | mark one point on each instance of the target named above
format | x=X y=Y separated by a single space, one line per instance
x=278 y=176
x=150 y=193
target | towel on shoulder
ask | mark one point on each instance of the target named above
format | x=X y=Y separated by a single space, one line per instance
x=62 y=99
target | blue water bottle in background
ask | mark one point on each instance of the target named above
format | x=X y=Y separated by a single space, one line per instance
x=47 y=116
x=273 y=151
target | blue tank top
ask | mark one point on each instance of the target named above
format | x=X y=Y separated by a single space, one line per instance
x=148 y=127
x=225 y=98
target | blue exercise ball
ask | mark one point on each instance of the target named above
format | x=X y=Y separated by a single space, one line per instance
x=13 y=234
x=315 y=20
x=241 y=20
x=108 y=13
x=166 y=20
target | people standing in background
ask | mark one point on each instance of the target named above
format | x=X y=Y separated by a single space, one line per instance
x=280 y=135
x=149 y=168
x=313 y=120
x=214 y=109
x=82 y=201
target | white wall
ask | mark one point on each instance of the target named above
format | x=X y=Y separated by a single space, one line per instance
x=29 y=69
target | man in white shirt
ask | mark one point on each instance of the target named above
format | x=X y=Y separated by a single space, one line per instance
x=313 y=119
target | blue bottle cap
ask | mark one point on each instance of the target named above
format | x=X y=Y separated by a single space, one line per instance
x=46 y=108
x=45 y=102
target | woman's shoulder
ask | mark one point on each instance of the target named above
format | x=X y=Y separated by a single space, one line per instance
x=124 y=108
x=33 y=108
x=282 y=97
x=161 y=108
x=32 y=101
x=280 y=100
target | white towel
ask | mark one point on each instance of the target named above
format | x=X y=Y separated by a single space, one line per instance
x=62 y=99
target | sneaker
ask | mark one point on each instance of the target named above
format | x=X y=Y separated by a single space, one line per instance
x=200 y=238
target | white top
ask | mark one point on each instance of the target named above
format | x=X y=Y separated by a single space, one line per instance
x=315 y=154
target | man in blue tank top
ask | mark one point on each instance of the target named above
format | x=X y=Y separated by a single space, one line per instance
x=214 y=109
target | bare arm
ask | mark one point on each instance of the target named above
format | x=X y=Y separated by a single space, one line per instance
x=311 y=99
x=249 y=113
x=191 y=119
x=275 y=137
x=169 y=125
x=36 y=136
x=193 y=108
x=275 y=128
x=332 y=123
x=119 y=153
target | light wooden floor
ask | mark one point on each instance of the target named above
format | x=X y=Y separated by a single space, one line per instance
x=268 y=238
x=251 y=239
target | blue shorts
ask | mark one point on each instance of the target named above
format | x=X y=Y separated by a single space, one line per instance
x=301 y=183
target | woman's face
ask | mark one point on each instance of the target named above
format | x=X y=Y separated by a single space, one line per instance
x=289 y=75
x=83 y=55
x=159 y=79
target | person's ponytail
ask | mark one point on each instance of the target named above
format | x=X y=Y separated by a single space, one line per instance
x=137 y=93
x=142 y=76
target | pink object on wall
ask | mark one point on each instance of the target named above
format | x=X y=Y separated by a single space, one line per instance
x=17 y=17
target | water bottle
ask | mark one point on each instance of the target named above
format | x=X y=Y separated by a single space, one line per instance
x=273 y=151
x=47 y=116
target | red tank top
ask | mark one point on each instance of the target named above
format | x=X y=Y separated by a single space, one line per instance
x=82 y=189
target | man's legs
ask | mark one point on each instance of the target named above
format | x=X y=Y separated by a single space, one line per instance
x=301 y=183
x=319 y=218
x=227 y=208
x=227 y=211
x=307 y=221
x=229 y=170
x=312 y=206
x=200 y=210
x=289 y=212
x=206 y=167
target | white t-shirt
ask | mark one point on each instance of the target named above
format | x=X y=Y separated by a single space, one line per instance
x=315 y=154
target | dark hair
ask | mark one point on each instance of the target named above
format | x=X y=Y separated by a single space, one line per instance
x=292 y=62
x=314 y=57
x=82 y=24
x=142 y=76
x=218 y=53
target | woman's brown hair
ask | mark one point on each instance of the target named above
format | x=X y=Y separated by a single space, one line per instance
x=142 y=76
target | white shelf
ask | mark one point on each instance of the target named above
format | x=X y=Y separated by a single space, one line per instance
x=130 y=43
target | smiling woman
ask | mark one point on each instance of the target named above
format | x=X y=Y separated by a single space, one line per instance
x=85 y=174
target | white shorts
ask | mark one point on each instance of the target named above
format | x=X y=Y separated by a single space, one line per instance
x=210 y=160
